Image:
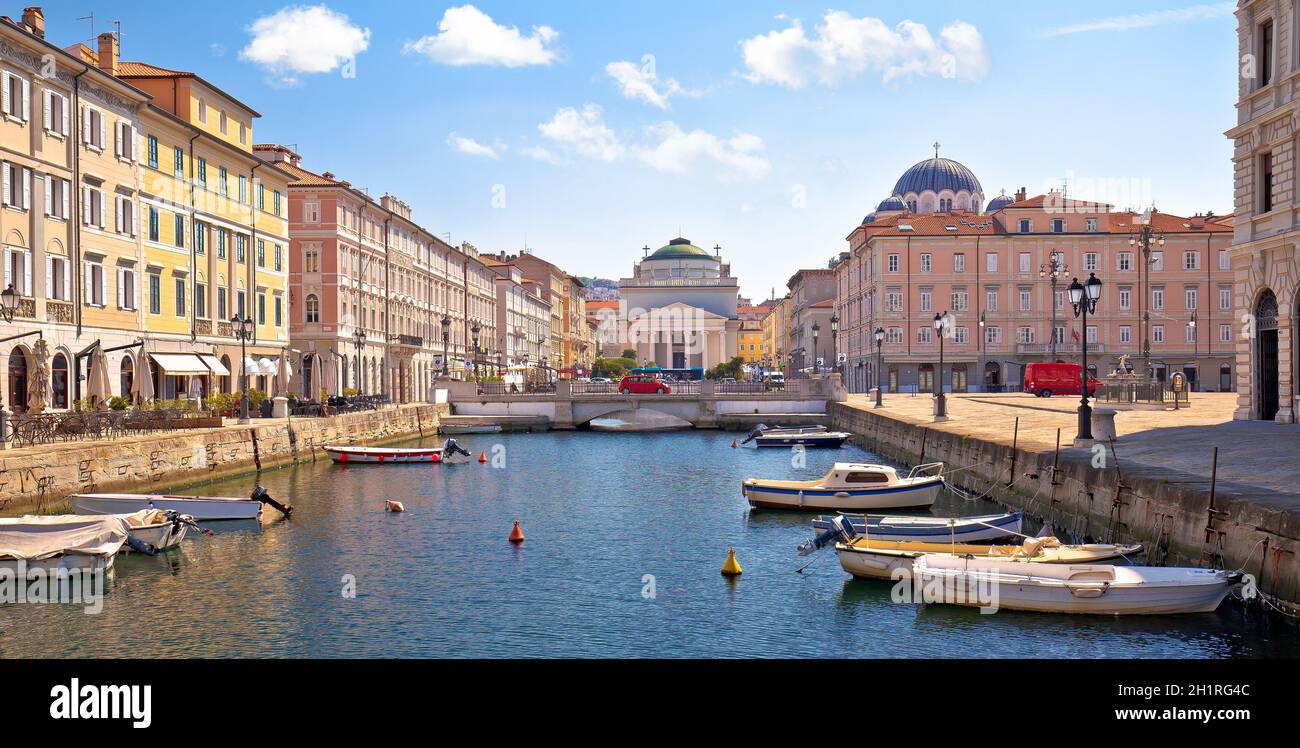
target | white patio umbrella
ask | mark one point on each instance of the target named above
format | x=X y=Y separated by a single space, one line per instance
x=97 y=387
x=38 y=387
x=283 y=373
x=330 y=374
x=142 y=392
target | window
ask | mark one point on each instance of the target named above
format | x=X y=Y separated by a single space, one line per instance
x=1058 y=300
x=1025 y=334
x=927 y=296
x=56 y=114
x=155 y=293
x=1158 y=333
x=1026 y=226
x=126 y=224
x=180 y=297
x=313 y=309
x=203 y=171
x=261 y=196
x=991 y=299
x=222 y=302
x=1058 y=334
x=18 y=271
x=275 y=202
x=1090 y=261
x=279 y=311
x=124 y=140
x=178 y=237
x=926 y=261
x=59 y=382
x=243 y=133
x=945 y=205
x=1265 y=182
x=1125 y=298
x=311 y=212
x=1058 y=225
x=200 y=238
x=178 y=163
x=960 y=300
x=57 y=286
x=151 y=151
x=96 y=284
x=894 y=335
x=1124 y=261
x=1026 y=262
x=1191 y=260
x=93 y=207
x=1189 y=334
x=1225 y=298
x=126 y=298
x=221 y=243
x=893 y=263
x=243 y=189
x=925 y=334
x=993 y=334
x=1190 y=298
x=1157 y=299
x=1157 y=261
x=203 y=110
x=1225 y=262
x=1225 y=333
x=311 y=260
x=56 y=197
x=261 y=253
x=1125 y=334
x=17 y=186
x=959 y=262
x=17 y=97
x=261 y=309
x=1266 y=53
x=92 y=128
x=241 y=303
x=240 y=244
x=1090 y=225
x=222 y=120
x=991 y=262
x=893 y=300
x=223 y=181
x=1026 y=300
x=279 y=257
x=960 y=335
x=201 y=300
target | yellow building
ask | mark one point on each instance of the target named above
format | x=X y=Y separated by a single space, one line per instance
x=136 y=219
x=776 y=334
x=749 y=340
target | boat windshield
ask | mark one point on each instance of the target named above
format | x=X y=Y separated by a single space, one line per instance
x=866 y=478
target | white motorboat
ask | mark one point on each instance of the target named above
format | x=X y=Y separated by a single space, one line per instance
x=450 y=452
x=980 y=529
x=1099 y=589
x=160 y=529
x=850 y=486
x=804 y=436
x=63 y=543
x=201 y=508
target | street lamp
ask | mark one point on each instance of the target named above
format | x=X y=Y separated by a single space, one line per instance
x=359 y=339
x=474 y=331
x=8 y=303
x=1053 y=269
x=880 y=339
x=242 y=329
x=446 y=336
x=835 y=351
x=940 y=402
x=1145 y=237
x=1084 y=298
x=816 y=330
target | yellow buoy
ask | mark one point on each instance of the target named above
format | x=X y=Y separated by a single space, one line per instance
x=732 y=567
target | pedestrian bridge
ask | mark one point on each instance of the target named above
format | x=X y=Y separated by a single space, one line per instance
x=701 y=405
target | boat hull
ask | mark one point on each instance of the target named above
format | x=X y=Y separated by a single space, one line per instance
x=202 y=509
x=881 y=563
x=71 y=563
x=963 y=530
x=921 y=495
x=819 y=440
x=161 y=536
x=375 y=456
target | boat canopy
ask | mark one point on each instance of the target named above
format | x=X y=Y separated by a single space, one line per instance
x=35 y=538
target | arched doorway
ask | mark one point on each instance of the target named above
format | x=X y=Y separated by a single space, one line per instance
x=18 y=381
x=992 y=376
x=128 y=376
x=1266 y=356
x=59 y=382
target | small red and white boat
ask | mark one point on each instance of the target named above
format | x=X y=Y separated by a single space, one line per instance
x=450 y=452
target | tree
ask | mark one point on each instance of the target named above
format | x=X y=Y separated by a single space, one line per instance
x=735 y=368
x=629 y=353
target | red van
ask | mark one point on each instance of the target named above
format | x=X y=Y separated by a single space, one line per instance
x=1045 y=380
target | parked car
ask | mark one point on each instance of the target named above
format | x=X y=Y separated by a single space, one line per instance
x=1047 y=379
x=643 y=385
x=601 y=380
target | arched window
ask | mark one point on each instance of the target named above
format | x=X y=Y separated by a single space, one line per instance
x=128 y=375
x=312 y=305
x=17 y=381
x=59 y=381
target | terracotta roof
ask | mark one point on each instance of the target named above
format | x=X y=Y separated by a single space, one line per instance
x=304 y=178
x=602 y=304
x=1056 y=201
x=1122 y=223
x=145 y=70
x=827 y=304
x=933 y=224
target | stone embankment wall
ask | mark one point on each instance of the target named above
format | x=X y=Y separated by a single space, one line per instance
x=40 y=478
x=1175 y=521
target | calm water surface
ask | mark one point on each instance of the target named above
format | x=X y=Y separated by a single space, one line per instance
x=601 y=511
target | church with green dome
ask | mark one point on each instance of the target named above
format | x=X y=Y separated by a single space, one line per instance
x=678 y=309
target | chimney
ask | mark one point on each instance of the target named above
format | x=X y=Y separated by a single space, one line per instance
x=328 y=175
x=1020 y=194
x=108 y=52
x=34 y=20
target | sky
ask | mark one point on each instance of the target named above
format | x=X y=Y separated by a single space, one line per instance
x=584 y=131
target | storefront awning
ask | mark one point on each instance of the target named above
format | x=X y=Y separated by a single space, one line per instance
x=180 y=364
x=215 y=365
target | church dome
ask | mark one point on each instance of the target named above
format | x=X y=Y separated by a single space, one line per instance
x=680 y=249
x=894 y=202
x=936 y=175
x=871 y=217
x=998 y=203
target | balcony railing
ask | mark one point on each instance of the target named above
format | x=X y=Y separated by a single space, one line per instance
x=1072 y=348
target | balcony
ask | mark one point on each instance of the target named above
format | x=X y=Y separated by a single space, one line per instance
x=58 y=311
x=1061 y=348
x=410 y=341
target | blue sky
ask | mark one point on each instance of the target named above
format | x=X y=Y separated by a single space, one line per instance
x=769 y=128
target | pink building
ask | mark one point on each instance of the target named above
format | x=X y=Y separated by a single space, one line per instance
x=991 y=271
x=361 y=265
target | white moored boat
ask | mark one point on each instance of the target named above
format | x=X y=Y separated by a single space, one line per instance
x=850 y=486
x=981 y=529
x=450 y=453
x=797 y=436
x=161 y=529
x=201 y=508
x=70 y=543
x=1100 y=589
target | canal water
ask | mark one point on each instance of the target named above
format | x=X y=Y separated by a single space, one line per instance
x=626 y=534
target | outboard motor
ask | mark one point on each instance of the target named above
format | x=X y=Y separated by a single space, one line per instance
x=757 y=432
x=840 y=529
x=260 y=494
x=141 y=546
x=452 y=448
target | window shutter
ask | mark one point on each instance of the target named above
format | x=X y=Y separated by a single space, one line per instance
x=49 y=276
x=101 y=131
x=85 y=205
x=117 y=139
x=49 y=193
x=90 y=282
x=63 y=110
x=8 y=191
x=135 y=290
x=99 y=198
x=103 y=287
x=27 y=189
x=121 y=289
x=27 y=100
x=67 y=280
x=67 y=186
x=85 y=125
x=9 y=278
x=47 y=98
x=27 y=273
x=135 y=221
x=5 y=104
x=120 y=227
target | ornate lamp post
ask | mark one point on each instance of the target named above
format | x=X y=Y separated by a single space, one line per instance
x=8 y=307
x=880 y=339
x=242 y=329
x=1053 y=269
x=474 y=331
x=1145 y=237
x=816 y=330
x=446 y=337
x=940 y=401
x=835 y=351
x=359 y=339
x=1084 y=298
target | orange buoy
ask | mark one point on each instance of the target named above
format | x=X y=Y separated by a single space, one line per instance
x=516 y=534
x=482 y=456
x=734 y=445
x=436 y=458
x=394 y=506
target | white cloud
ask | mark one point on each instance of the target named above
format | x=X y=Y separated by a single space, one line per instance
x=642 y=82
x=740 y=158
x=584 y=133
x=468 y=36
x=1145 y=20
x=298 y=40
x=472 y=147
x=541 y=153
x=843 y=47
